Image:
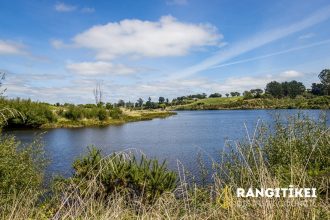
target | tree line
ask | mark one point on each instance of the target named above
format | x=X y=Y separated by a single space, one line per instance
x=273 y=89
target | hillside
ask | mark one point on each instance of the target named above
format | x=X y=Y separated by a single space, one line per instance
x=322 y=102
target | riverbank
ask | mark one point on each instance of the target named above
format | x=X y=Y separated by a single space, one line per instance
x=126 y=117
x=232 y=103
x=20 y=113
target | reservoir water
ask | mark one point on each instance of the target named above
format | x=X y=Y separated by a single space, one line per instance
x=180 y=137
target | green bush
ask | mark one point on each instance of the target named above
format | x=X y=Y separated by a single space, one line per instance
x=124 y=173
x=21 y=168
x=102 y=114
x=33 y=114
x=73 y=113
x=116 y=113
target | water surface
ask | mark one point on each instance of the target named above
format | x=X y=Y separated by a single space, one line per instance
x=179 y=137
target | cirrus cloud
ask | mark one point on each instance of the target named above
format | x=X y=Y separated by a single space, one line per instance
x=132 y=37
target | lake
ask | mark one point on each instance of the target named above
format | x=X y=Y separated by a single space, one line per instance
x=180 y=137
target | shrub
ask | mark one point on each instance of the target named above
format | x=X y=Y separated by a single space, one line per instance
x=116 y=113
x=34 y=113
x=124 y=173
x=21 y=168
x=102 y=114
x=73 y=113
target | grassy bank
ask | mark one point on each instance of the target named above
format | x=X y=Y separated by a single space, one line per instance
x=125 y=117
x=295 y=152
x=26 y=113
x=322 y=102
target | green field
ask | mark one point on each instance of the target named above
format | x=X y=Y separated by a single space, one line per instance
x=322 y=102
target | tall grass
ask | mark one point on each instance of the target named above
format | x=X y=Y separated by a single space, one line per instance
x=293 y=152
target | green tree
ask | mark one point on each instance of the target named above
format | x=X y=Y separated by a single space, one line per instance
x=233 y=94
x=161 y=100
x=317 y=89
x=324 y=76
x=108 y=105
x=139 y=102
x=256 y=93
x=293 y=88
x=149 y=103
x=247 y=95
x=121 y=103
x=275 y=89
x=215 y=95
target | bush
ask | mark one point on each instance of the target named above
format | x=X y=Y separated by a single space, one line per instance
x=73 y=113
x=102 y=114
x=124 y=173
x=34 y=114
x=116 y=113
x=21 y=168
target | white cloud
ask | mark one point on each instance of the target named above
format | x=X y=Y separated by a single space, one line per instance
x=11 y=48
x=99 y=67
x=177 y=2
x=62 y=7
x=166 y=37
x=289 y=74
x=87 y=10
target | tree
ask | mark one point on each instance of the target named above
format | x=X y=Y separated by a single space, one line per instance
x=256 y=93
x=233 y=94
x=275 y=89
x=215 y=95
x=247 y=95
x=139 y=102
x=161 y=100
x=227 y=95
x=98 y=93
x=318 y=89
x=148 y=103
x=108 y=105
x=121 y=103
x=293 y=88
x=129 y=104
x=324 y=76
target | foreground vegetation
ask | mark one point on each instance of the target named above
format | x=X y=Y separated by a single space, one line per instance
x=295 y=151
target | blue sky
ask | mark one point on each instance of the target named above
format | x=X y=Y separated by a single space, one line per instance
x=57 y=51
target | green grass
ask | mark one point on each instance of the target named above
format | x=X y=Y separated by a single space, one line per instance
x=257 y=103
x=84 y=122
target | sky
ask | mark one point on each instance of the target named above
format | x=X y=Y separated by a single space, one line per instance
x=58 y=51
